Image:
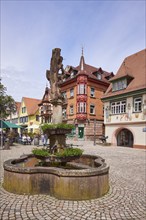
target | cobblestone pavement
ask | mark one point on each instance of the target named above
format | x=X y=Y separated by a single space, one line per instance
x=124 y=201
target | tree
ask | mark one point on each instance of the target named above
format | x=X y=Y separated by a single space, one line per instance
x=7 y=103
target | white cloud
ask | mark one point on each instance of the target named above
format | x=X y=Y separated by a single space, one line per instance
x=20 y=84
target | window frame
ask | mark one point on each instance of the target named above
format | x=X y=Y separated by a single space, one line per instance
x=64 y=94
x=64 y=112
x=23 y=119
x=99 y=77
x=71 y=110
x=92 y=113
x=81 y=89
x=71 y=92
x=92 y=93
x=37 y=118
x=137 y=106
x=118 y=107
x=24 y=109
x=81 y=107
x=119 y=84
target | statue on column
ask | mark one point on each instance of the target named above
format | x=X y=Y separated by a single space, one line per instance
x=55 y=74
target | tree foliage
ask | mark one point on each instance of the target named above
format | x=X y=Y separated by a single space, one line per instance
x=7 y=103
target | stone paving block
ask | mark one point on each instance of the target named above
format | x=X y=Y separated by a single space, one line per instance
x=124 y=201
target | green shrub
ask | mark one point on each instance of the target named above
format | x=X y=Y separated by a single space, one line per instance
x=70 y=152
x=40 y=152
x=55 y=126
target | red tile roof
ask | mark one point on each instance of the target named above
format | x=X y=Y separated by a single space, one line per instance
x=18 y=104
x=31 y=105
x=133 y=66
x=89 y=70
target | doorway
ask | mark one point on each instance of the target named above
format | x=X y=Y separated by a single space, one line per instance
x=125 y=138
x=81 y=132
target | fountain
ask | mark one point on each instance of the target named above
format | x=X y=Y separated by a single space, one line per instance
x=63 y=172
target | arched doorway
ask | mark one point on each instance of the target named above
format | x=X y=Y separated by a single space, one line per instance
x=125 y=138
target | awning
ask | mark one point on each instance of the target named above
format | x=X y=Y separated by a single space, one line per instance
x=6 y=124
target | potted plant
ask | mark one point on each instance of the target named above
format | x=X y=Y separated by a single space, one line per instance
x=59 y=128
x=40 y=153
x=65 y=155
x=69 y=154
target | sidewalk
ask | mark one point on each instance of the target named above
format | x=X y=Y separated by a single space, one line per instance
x=125 y=200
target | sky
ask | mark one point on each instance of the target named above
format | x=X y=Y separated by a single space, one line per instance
x=108 y=31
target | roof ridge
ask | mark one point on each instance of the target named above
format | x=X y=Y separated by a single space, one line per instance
x=134 y=54
x=30 y=98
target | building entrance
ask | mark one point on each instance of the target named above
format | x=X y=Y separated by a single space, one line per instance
x=125 y=138
x=81 y=132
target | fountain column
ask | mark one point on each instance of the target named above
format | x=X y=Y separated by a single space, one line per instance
x=55 y=76
x=57 y=111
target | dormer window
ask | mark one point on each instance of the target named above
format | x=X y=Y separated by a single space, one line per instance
x=119 y=84
x=72 y=74
x=99 y=76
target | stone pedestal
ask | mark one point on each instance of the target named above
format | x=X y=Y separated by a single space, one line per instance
x=57 y=136
x=57 y=111
x=59 y=140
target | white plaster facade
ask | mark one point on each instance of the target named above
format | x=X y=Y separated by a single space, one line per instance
x=133 y=121
x=125 y=104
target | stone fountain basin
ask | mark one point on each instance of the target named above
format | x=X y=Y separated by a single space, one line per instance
x=87 y=179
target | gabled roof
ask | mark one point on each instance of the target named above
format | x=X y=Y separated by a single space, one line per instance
x=31 y=105
x=88 y=70
x=134 y=67
x=18 y=104
x=46 y=96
